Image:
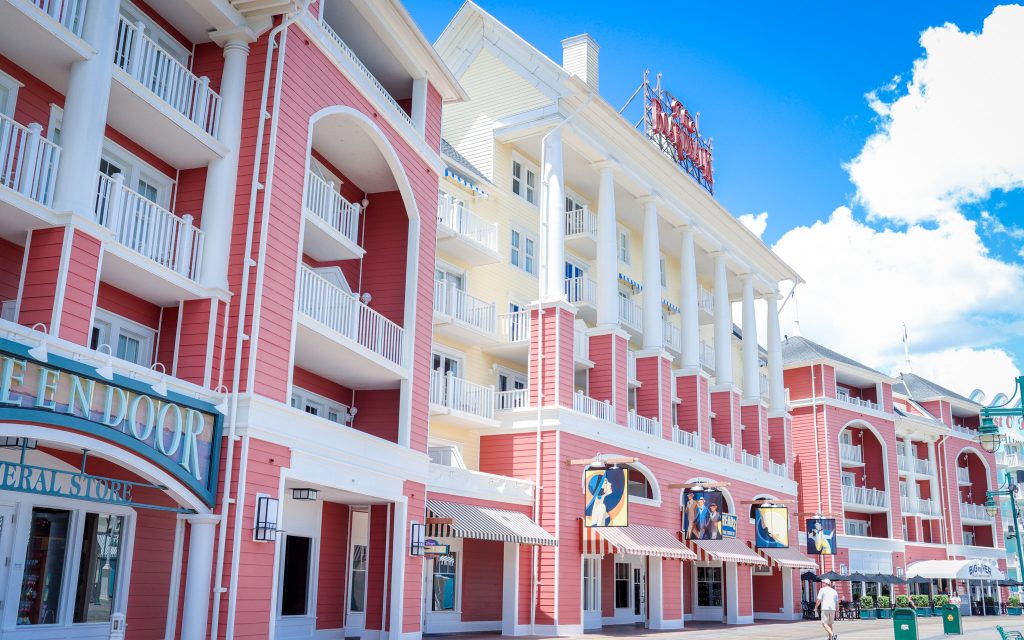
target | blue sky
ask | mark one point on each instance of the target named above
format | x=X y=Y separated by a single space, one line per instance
x=781 y=89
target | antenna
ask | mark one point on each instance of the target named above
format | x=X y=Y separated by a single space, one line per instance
x=906 y=348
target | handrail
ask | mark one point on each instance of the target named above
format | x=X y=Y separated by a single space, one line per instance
x=750 y=459
x=580 y=221
x=461 y=395
x=327 y=203
x=974 y=511
x=706 y=355
x=865 y=496
x=781 y=470
x=69 y=13
x=463 y=307
x=455 y=215
x=28 y=161
x=515 y=326
x=585 y=404
x=686 y=438
x=650 y=426
x=867 y=404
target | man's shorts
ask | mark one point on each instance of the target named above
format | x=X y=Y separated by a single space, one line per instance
x=828 y=616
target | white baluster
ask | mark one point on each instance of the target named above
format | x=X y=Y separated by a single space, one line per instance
x=135 y=52
x=31 y=156
x=184 y=245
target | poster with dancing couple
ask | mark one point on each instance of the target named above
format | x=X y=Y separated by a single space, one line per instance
x=771 y=527
x=702 y=515
x=607 y=498
x=821 y=536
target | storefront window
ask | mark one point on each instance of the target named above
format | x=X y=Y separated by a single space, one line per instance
x=98 y=565
x=44 y=566
x=295 y=579
x=709 y=586
x=590 y=568
x=622 y=585
x=358 y=599
x=444 y=583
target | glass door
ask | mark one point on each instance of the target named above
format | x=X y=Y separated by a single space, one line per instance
x=591 y=593
x=359 y=557
x=574 y=281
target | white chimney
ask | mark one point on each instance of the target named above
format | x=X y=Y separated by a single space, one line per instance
x=579 y=58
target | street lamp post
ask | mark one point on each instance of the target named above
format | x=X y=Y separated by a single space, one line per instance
x=1009 y=490
x=990 y=440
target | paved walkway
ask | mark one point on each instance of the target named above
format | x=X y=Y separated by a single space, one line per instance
x=929 y=629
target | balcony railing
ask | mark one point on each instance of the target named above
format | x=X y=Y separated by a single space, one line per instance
x=70 y=13
x=143 y=59
x=673 y=335
x=28 y=161
x=686 y=438
x=851 y=453
x=923 y=467
x=965 y=430
x=344 y=313
x=1008 y=459
x=974 y=511
x=147 y=228
x=781 y=470
x=580 y=290
x=705 y=300
x=865 y=497
x=580 y=345
x=514 y=327
x=630 y=313
x=721 y=450
x=463 y=307
x=586 y=404
x=650 y=426
x=453 y=213
x=630 y=365
x=580 y=221
x=963 y=475
x=924 y=506
x=461 y=395
x=750 y=459
x=706 y=354
x=384 y=95
x=858 y=402
x=447 y=455
x=326 y=203
x=512 y=400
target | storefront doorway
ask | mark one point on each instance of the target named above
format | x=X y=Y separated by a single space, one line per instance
x=708 y=592
x=592 y=592
x=630 y=590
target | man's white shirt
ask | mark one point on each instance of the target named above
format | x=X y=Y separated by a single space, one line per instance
x=828 y=598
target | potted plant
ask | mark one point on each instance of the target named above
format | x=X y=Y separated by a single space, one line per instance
x=938 y=602
x=884 y=607
x=924 y=609
x=1013 y=605
x=902 y=601
x=867 y=608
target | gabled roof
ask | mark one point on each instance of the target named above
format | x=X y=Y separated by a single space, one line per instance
x=921 y=389
x=799 y=349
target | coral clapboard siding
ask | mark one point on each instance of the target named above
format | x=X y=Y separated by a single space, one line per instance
x=331 y=577
x=671 y=589
x=120 y=302
x=319 y=385
x=39 y=279
x=551 y=332
x=11 y=257
x=769 y=592
x=725 y=424
x=166 y=340
x=432 y=132
x=412 y=600
x=482 y=569
x=654 y=397
x=378 y=575
x=197 y=339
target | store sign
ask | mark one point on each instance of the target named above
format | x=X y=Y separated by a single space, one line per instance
x=979 y=570
x=771 y=527
x=433 y=549
x=179 y=434
x=728 y=525
x=676 y=131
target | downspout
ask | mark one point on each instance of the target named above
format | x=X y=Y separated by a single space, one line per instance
x=540 y=396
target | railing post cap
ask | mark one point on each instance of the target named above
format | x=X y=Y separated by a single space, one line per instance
x=35 y=127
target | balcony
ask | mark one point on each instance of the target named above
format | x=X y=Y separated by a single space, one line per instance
x=460 y=316
x=1008 y=459
x=720 y=450
x=159 y=103
x=781 y=470
x=750 y=459
x=705 y=305
x=512 y=400
x=331 y=222
x=965 y=431
x=686 y=438
x=974 y=513
x=920 y=467
x=673 y=335
x=851 y=455
x=706 y=355
x=513 y=337
x=341 y=338
x=631 y=315
x=594 y=408
x=28 y=170
x=763 y=381
x=650 y=426
x=920 y=506
x=581 y=232
x=459 y=402
x=582 y=292
x=464 y=235
x=858 y=402
x=963 y=475
x=581 y=349
x=865 y=499
x=44 y=37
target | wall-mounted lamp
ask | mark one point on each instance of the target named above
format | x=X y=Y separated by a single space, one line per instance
x=40 y=351
x=264 y=529
x=160 y=387
x=106 y=371
x=417 y=537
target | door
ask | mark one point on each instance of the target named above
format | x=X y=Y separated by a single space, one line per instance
x=591 y=593
x=639 y=594
x=574 y=279
x=451 y=284
x=6 y=561
x=359 y=555
x=708 y=593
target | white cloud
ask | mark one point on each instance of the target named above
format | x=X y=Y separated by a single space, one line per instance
x=964 y=370
x=756 y=222
x=957 y=133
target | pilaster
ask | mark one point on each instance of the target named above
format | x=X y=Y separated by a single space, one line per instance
x=551 y=354
x=654 y=397
x=609 y=380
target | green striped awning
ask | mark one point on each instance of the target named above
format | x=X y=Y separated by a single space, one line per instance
x=485 y=523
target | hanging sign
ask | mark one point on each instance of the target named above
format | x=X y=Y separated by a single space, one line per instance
x=433 y=549
x=821 y=536
x=178 y=433
x=607 y=497
x=675 y=130
x=771 y=527
x=728 y=525
x=703 y=514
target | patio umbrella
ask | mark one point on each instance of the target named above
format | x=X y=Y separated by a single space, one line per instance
x=1009 y=582
x=860 y=577
x=895 y=580
x=919 y=580
x=809 y=576
x=834 y=577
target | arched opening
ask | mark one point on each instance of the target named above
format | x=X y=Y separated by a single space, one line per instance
x=973 y=480
x=642 y=484
x=865 y=481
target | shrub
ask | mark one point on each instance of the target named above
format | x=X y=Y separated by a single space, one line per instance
x=1014 y=602
x=941 y=600
x=884 y=602
x=902 y=601
x=921 y=601
x=867 y=602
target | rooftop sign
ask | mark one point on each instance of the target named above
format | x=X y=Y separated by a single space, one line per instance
x=676 y=131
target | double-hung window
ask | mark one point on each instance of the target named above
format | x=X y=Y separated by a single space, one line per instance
x=623 y=245
x=523 y=251
x=127 y=340
x=524 y=181
x=316 y=405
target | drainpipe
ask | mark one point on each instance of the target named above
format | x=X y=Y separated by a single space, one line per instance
x=540 y=393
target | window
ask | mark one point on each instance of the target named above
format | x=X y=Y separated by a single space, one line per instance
x=623 y=246
x=446 y=364
x=591 y=597
x=523 y=252
x=846 y=437
x=8 y=94
x=842 y=393
x=849 y=479
x=444 y=583
x=573 y=202
x=638 y=485
x=359 y=557
x=169 y=45
x=316 y=405
x=663 y=271
x=510 y=380
x=575 y=281
x=127 y=340
x=295 y=575
x=42 y=581
x=524 y=181
x=98 y=567
x=969 y=538
x=856 y=527
x=709 y=586
x=622 y=584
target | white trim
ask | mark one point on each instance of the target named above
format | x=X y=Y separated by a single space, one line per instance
x=12 y=85
x=62 y=281
x=113 y=326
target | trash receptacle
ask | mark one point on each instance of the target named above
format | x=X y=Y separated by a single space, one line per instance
x=904 y=624
x=951 y=622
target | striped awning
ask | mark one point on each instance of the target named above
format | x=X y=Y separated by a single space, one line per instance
x=727 y=550
x=787 y=558
x=672 y=307
x=485 y=523
x=637 y=287
x=637 y=540
x=458 y=179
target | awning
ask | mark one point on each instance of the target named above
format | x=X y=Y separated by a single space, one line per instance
x=727 y=550
x=458 y=179
x=637 y=287
x=787 y=558
x=955 y=569
x=635 y=539
x=484 y=523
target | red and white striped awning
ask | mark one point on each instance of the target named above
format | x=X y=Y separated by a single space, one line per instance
x=484 y=523
x=790 y=558
x=635 y=539
x=727 y=550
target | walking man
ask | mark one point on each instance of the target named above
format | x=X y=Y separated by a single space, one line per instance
x=825 y=605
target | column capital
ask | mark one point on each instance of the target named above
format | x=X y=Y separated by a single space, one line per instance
x=234 y=37
x=650 y=198
x=202 y=518
x=604 y=163
x=773 y=295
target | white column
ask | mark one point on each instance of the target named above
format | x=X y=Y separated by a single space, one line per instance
x=221 y=174
x=653 y=328
x=85 y=113
x=607 y=251
x=751 y=371
x=732 y=591
x=688 y=302
x=399 y=556
x=933 y=485
x=723 y=323
x=552 y=220
x=776 y=386
x=655 y=593
x=196 y=604
x=787 y=593
x=510 y=590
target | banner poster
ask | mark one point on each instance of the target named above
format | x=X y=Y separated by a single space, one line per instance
x=703 y=512
x=771 y=527
x=821 y=536
x=728 y=525
x=607 y=500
